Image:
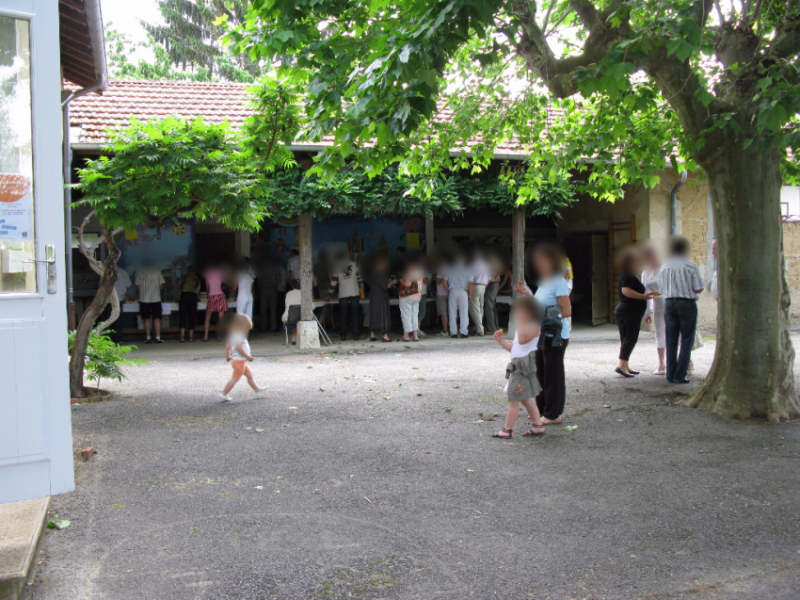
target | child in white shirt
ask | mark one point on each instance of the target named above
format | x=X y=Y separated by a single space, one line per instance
x=523 y=384
x=237 y=351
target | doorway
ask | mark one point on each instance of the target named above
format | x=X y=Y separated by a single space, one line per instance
x=588 y=253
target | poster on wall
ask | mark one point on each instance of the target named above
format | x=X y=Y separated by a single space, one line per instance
x=16 y=208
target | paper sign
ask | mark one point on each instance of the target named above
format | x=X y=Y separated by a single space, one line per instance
x=412 y=241
x=16 y=220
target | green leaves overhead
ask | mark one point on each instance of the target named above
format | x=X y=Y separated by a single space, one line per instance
x=161 y=170
x=658 y=79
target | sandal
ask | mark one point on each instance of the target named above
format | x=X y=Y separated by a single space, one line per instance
x=403 y=340
x=532 y=431
x=373 y=339
x=499 y=434
x=183 y=341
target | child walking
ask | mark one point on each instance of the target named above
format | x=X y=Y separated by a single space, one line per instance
x=523 y=385
x=237 y=350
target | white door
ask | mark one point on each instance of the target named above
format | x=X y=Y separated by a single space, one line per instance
x=35 y=428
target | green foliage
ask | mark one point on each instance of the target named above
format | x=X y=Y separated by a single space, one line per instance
x=161 y=170
x=353 y=191
x=105 y=358
x=123 y=65
x=650 y=83
x=189 y=39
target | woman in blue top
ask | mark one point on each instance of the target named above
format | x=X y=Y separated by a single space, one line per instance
x=548 y=260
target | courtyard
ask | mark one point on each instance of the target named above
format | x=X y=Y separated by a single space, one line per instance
x=368 y=472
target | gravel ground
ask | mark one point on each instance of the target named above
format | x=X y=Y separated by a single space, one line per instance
x=369 y=473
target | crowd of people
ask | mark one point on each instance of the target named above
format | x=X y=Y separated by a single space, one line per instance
x=662 y=294
x=463 y=287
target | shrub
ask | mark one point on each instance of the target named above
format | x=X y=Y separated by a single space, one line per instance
x=105 y=358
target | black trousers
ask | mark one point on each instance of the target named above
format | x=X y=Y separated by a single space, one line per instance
x=550 y=373
x=349 y=306
x=187 y=310
x=629 y=326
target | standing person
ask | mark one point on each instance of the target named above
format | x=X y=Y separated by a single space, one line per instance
x=630 y=310
x=410 y=297
x=491 y=317
x=425 y=272
x=480 y=278
x=268 y=273
x=380 y=316
x=293 y=266
x=458 y=282
x=442 y=294
x=322 y=273
x=681 y=284
x=217 y=303
x=187 y=304
x=283 y=284
x=149 y=283
x=237 y=352
x=350 y=288
x=552 y=292
x=656 y=306
x=523 y=384
x=244 y=289
x=400 y=260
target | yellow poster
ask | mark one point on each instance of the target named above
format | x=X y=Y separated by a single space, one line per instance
x=412 y=241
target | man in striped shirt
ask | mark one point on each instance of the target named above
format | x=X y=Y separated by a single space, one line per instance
x=149 y=282
x=681 y=283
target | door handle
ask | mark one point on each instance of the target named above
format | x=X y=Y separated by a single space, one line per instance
x=50 y=260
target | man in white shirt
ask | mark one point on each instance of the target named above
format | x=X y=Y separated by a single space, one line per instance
x=680 y=283
x=149 y=283
x=481 y=275
x=350 y=286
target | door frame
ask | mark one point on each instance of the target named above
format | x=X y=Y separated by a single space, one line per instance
x=42 y=377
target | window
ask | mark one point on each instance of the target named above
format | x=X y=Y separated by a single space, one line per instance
x=16 y=159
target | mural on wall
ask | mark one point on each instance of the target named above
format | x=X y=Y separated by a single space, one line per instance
x=380 y=235
x=170 y=248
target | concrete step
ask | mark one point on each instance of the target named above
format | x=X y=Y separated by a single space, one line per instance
x=21 y=524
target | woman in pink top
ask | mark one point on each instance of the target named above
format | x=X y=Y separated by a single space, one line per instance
x=217 y=303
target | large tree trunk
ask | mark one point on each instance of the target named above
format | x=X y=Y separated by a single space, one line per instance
x=77 y=359
x=752 y=374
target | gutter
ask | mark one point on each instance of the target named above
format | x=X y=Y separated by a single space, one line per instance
x=673 y=203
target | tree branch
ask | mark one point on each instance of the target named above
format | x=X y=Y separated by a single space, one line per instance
x=555 y=73
x=786 y=43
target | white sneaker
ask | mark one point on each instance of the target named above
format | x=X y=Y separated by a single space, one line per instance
x=224 y=397
x=262 y=392
x=422 y=333
x=443 y=333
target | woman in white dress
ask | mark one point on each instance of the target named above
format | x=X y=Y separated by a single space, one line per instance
x=655 y=313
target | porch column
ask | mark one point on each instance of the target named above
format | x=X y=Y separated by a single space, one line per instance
x=307 y=332
x=429 y=236
x=517 y=257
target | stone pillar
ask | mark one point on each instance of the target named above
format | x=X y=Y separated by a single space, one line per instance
x=429 y=233
x=307 y=332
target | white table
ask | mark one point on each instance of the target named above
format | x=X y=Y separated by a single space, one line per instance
x=167 y=307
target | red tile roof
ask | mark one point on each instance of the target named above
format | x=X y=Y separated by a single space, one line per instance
x=144 y=99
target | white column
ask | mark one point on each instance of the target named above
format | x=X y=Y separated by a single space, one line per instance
x=429 y=233
x=307 y=332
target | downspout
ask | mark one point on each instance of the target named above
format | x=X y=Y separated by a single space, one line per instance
x=94 y=22
x=67 y=174
x=673 y=204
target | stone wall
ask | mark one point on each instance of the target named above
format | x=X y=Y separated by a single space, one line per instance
x=791 y=251
x=591 y=215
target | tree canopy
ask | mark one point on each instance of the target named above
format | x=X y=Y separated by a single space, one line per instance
x=169 y=168
x=379 y=71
